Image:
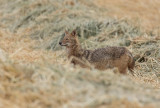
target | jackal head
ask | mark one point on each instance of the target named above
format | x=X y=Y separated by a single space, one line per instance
x=70 y=39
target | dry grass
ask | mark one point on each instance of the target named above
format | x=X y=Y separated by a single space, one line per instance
x=34 y=70
x=146 y=12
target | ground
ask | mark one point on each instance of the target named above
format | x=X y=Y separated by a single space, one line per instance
x=35 y=71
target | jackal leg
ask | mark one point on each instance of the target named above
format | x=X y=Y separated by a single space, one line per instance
x=122 y=70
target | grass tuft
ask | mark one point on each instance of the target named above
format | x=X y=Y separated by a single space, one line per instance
x=35 y=69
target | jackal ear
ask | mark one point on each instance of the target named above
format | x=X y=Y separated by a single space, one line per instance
x=73 y=33
x=66 y=32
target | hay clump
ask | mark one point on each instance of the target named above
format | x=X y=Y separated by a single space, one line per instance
x=45 y=78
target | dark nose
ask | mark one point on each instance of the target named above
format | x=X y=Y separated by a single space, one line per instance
x=60 y=43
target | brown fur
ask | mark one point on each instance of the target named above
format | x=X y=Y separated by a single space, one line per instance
x=102 y=58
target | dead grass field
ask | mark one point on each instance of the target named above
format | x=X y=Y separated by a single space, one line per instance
x=35 y=72
x=145 y=12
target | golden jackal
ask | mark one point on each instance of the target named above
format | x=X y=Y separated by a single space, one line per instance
x=102 y=58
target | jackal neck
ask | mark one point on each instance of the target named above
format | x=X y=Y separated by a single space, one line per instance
x=76 y=51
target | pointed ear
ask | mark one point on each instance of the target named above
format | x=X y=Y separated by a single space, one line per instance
x=73 y=33
x=66 y=32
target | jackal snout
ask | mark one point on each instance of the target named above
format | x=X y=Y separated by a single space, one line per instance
x=69 y=39
x=60 y=43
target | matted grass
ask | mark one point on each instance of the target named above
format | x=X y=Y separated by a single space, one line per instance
x=35 y=72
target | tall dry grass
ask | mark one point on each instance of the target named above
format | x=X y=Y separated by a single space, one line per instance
x=35 y=72
x=145 y=12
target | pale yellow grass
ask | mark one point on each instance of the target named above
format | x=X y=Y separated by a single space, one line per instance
x=16 y=76
x=146 y=12
x=38 y=78
x=20 y=49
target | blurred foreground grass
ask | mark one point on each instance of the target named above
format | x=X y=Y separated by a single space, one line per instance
x=36 y=73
